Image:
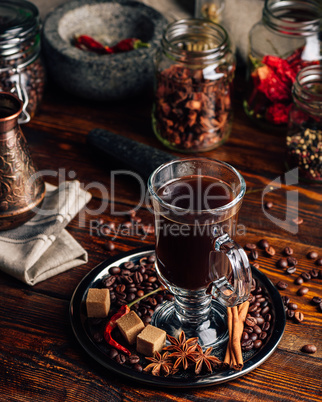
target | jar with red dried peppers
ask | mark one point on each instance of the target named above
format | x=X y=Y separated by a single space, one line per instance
x=194 y=72
x=285 y=41
x=21 y=68
x=304 y=140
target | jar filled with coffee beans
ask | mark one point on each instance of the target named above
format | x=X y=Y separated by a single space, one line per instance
x=21 y=69
x=194 y=72
x=304 y=140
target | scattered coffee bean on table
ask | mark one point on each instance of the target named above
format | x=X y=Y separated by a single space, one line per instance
x=318 y=262
x=288 y=251
x=250 y=246
x=281 y=285
x=254 y=254
x=316 y=300
x=303 y=290
x=312 y=255
x=310 y=348
x=263 y=244
x=268 y=205
x=290 y=270
x=306 y=276
x=292 y=261
x=298 y=316
x=281 y=263
x=270 y=251
x=299 y=280
x=110 y=246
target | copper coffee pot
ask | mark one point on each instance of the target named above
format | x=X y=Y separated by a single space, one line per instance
x=20 y=190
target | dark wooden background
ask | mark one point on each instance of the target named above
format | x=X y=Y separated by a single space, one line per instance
x=40 y=358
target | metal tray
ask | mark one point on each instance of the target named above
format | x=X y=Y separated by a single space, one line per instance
x=251 y=360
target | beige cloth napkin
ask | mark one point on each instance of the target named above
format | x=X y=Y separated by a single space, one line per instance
x=42 y=248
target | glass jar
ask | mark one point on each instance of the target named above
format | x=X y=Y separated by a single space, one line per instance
x=304 y=140
x=21 y=68
x=284 y=42
x=195 y=67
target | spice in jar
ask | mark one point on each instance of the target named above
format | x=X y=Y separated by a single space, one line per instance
x=195 y=69
x=21 y=68
x=304 y=140
x=283 y=43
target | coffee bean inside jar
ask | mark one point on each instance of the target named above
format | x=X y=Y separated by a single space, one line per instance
x=21 y=69
x=195 y=68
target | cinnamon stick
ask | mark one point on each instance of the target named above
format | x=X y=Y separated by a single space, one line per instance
x=227 y=359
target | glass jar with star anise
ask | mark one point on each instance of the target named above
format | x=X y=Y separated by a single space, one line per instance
x=286 y=40
x=194 y=72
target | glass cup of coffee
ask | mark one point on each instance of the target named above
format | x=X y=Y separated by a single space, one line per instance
x=196 y=203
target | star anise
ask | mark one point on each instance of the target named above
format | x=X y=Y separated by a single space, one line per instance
x=180 y=342
x=204 y=359
x=182 y=351
x=161 y=364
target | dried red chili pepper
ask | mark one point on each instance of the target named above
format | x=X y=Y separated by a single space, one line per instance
x=126 y=45
x=85 y=42
x=111 y=325
x=125 y=309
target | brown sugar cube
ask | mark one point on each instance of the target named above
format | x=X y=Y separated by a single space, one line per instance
x=130 y=326
x=150 y=340
x=98 y=303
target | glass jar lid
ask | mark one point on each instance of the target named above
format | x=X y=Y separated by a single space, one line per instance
x=19 y=23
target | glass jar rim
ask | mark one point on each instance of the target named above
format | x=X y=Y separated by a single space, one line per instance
x=224 y=208
x=275 y=18
x=176 y=28
x=304 y=94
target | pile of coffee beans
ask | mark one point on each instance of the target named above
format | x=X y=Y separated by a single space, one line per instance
x=258 y=320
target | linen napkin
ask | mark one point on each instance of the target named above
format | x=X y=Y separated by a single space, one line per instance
x=41 y=247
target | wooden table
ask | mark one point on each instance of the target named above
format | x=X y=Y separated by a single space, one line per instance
x=40 y=358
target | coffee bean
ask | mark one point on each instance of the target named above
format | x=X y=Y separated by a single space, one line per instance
x=249 y=330
x=281 y=285
x=306 y=276
x=265 y=310
x=312 y=255
x=298 y=316
x=257 y=329
x=129 y=265
x=320 y=307
x=246 y=342
x=318 y=262
x=98 y=337
x=316 y=300
x=120 y=359
x=268 y=205
x=254 y=254
x=263 y=335
x=268 y=317
x=133 y=359
x=270 y=251
x=250 y=321
x=266 y=326
x=288 y=251
x=258 y=344
x=253 y=336
x=250 y=246
x=310 y=348
x=252 y=308
x=140 y=293
x=114 y=270
x=263 y=244
x=290 y=313
x=290 y=270
x=113 y=353
x=249 y=347
x=281 y=263
x=109 y=281
x=138 y=368
x=285 y=300
x=292 y=306
x=297 y=221
x=245 y=336
x=130 y=297
x=260 y=320
x=251 y=298
x=302 y=291
x=314 y=273
x=298 y=280
x=292 y=261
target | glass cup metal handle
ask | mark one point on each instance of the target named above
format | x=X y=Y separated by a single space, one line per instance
x=235 y=289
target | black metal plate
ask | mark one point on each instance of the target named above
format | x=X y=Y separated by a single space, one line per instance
x=251 y=361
